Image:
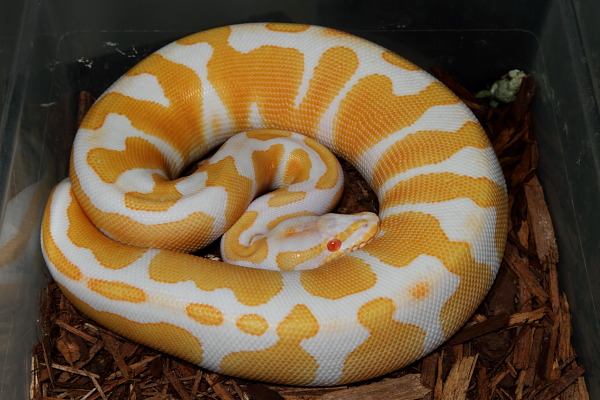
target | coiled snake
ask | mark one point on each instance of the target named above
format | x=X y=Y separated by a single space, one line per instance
x=116 y=232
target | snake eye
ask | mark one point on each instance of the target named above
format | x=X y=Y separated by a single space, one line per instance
x=334 y=245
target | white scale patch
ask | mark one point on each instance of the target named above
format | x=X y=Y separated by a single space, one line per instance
x=189 y=186
x=143 y=87
x=255 y=118
x=140 y=179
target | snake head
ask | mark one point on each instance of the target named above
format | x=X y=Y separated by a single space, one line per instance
x=311 y=241
x=302 y=242
x=347 y=232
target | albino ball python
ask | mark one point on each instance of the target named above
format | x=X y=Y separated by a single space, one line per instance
x=442 y=197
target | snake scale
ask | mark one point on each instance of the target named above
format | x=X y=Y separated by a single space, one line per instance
x=117 y=233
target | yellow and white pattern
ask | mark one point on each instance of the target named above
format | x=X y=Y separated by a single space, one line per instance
x=443 y=207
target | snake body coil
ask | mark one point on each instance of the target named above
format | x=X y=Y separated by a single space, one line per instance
x=115 y=232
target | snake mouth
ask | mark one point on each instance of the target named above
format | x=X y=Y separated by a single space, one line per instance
x=369 y=226
x=360 y=245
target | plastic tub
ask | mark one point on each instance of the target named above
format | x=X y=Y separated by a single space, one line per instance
x=50 y=51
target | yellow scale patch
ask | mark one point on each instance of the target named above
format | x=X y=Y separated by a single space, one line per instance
x=252 y=324
x=205 y=314
x=377 y=317
x=118 y=291
x=420 y=291
x=265 y=164
x=283 y=197
x=180 y=125
x=289 y=260
x=194 y=230
x=285 y=361
x=340 y=278
x=398 y=61
x=211 y=275
x=292 y=28
x=267 y=134
x=297 y=167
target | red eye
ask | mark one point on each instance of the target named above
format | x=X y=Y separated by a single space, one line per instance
x=334 y=245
